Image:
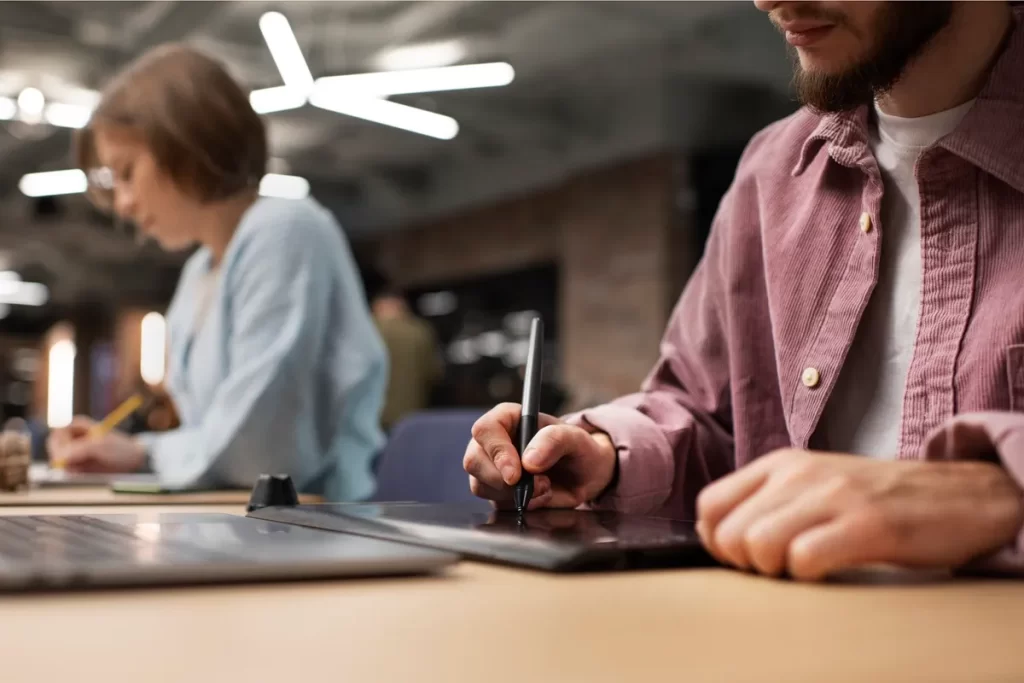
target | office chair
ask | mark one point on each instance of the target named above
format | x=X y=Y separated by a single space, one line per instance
x=422 y=460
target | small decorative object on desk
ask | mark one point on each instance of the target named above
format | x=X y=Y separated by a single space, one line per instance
x=15 y=458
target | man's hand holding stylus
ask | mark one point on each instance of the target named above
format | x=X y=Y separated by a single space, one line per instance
x=571 y=466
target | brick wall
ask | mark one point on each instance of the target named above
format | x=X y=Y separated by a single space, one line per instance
x=616 y=239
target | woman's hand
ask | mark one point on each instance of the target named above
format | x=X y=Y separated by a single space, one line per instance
x=73 y=449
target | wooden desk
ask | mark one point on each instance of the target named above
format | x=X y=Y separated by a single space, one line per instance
x=487 y=624
x=101 y=495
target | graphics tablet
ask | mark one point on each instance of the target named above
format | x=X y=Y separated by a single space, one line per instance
x=552 y=540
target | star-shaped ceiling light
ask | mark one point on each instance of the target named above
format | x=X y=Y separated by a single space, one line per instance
x=365 y=95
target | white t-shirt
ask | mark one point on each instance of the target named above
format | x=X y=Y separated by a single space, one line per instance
x=863 y=413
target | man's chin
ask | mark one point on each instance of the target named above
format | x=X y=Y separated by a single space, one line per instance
x=827 y=92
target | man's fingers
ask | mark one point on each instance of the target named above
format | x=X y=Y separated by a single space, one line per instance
x=846 y=542
x=482 y=490
x=541 y=490
x=767 y=540
x=562 y=498
x=727 y=540
x=478 y=465
x=719 y=498
x=493 y=433
x=552 y=443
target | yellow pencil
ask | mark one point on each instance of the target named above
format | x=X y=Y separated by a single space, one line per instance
x=116 y=417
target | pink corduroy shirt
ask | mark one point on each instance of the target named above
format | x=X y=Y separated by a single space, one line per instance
x=755 y=345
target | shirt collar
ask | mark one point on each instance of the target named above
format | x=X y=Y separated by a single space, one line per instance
x=991 y=135
x=845 y=135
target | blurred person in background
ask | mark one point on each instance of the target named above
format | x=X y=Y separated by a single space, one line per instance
x=274 y=361
x=414 y=357
x=842 y=381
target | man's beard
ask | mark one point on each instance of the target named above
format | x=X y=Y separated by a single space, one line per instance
x=901 y=32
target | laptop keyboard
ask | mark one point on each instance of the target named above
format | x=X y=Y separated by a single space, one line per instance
x=78 y=539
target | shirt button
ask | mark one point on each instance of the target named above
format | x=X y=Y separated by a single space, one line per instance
x=865 y=222
x=811 y=377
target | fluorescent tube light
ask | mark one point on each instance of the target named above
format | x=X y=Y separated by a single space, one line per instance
x=423 y=55
x=280 y=98
x=389 y=114
x=285 y=50
x=21 y=293
x=284 y=186
x=67 y=115
x=49 y=183
x=153 y=349
x=60 y=389
x=8 y=109
x=386 y=83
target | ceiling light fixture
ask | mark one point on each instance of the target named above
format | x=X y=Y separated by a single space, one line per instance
x=31 y=102
x=60 y=384
x=280 y=98
x=18 y=293
x=50 y=183
x=441 y=53
x=67 y=115
x=284 y=186
x=387 y=83
x=74 y=181
x=8 y=109
x=285 y=50
x=360 y=95
x=32 y=107
x=389 y=114
x=153 y=348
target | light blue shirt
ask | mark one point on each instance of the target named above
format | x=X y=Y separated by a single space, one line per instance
x=285 y=371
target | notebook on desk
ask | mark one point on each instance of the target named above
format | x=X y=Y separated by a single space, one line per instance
x=43 y=476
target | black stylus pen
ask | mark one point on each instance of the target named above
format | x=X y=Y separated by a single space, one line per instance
x=528 y=418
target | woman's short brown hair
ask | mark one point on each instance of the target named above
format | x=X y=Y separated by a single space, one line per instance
x=193 y=116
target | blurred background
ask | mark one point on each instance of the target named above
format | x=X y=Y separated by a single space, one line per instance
x=576 y=177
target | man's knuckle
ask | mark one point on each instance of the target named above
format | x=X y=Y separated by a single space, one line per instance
x=708 y=503
x=756 y=537
x=469 y=460
x=480 y=428
x=875 y=521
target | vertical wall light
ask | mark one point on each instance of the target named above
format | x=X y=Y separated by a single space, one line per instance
x=153 y=351
x=60 y=394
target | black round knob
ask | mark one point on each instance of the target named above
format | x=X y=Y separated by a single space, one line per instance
x=273 y=490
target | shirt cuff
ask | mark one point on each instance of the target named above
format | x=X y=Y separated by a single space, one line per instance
x=146 y=441
x=645 y=465
x=976 y=436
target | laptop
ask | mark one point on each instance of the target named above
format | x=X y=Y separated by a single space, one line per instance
x=92 y=551
x=550 y=540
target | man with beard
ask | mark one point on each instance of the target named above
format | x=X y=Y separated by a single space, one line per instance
x=842 y=382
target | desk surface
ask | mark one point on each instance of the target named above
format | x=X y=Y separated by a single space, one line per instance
x=101 y=495
x=483 y=623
